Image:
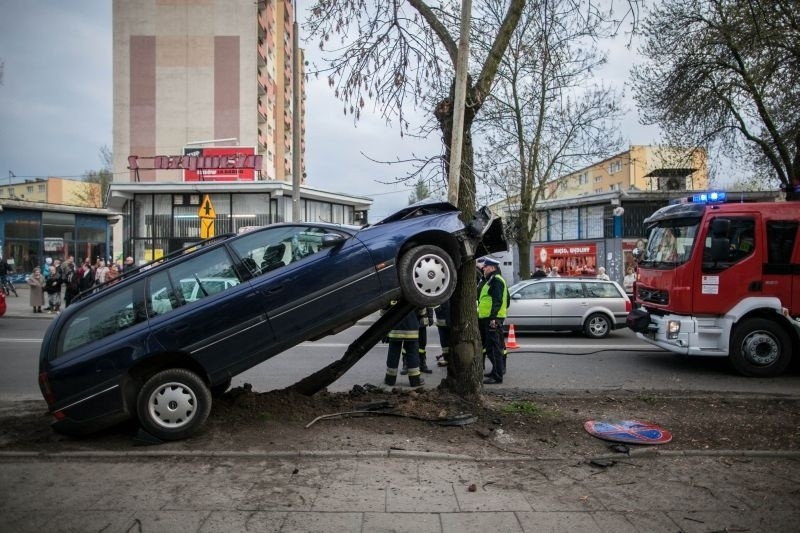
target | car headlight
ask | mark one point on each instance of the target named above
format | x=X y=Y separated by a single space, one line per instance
x=673 y=328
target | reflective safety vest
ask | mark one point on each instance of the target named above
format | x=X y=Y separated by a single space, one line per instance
x=485 y=299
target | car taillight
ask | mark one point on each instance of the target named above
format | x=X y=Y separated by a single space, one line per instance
x=628 y=305
x=44 y=386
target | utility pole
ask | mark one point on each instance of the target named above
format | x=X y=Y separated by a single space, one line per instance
x=297 y=170
x=462 y=66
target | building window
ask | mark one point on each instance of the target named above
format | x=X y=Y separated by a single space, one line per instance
x=583 y=179
x=616 y=166
x=41 y=188
x=30 y=188
x=598 y=178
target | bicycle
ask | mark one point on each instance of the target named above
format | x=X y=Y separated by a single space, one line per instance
x=8 y=287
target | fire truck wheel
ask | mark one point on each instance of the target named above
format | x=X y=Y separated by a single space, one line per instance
x=597 y=326
x=760 y=348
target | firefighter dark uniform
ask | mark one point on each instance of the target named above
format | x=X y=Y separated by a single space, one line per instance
x=492 y=306
x=425 y=315
x=404 y=338
x=443 y=327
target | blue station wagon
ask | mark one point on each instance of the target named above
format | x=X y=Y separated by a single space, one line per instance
x=158 y=342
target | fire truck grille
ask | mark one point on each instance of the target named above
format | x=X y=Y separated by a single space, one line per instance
x=653 y=296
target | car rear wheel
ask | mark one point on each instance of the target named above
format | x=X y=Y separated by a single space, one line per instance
x=760 y=347
x=597 y=326
x=427 y=276
x=173 y=404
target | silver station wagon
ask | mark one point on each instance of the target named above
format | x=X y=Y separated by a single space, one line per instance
x=593 y=306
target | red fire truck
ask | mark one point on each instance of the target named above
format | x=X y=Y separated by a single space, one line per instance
x=722 y=279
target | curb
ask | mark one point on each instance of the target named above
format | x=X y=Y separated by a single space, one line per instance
x=390 y=454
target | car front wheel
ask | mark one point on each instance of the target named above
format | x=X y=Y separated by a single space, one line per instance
x=597 y=326
x=427 y=276
x=173 y=404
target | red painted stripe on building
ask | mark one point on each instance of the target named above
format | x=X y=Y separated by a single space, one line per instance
x=143 y=99
x=226 y=87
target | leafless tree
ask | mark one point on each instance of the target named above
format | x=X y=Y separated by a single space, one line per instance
x=545 y=117
x=403 y=53
x=725 y=72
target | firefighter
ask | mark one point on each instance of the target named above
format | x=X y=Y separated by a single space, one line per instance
x=425 y=315
x=493 y=301
x=404 y=338
x=443 y=327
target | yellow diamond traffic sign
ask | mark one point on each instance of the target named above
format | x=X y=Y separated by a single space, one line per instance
x=206 y=208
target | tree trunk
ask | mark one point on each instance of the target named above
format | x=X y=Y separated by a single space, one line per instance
x=465 y=366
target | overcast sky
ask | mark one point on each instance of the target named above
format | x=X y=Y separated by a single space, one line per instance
x=56 y=106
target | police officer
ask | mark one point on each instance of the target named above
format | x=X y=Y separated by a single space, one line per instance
x=404 y=338
x=493 y=301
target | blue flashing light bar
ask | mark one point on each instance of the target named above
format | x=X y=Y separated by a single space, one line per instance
x=709 y=197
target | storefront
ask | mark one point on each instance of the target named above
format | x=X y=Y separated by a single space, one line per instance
x=160 y=218
x=30 y=232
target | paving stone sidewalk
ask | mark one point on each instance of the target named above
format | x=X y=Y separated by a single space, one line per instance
x=267 y=492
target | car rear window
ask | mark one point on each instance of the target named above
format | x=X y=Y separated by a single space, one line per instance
x=116 y=311
x=601 y=290
x=568 y=289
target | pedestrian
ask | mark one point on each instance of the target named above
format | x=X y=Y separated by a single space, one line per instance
x=442 y=313
x=53 y=289
x=70 y=280
x=601 y=274
x=36 y=283
x=539 y=273
x=127 y=265
x=100 y=272
x=113 y=273
x=553 y=273
x=5 y=270
x=85 y=276
x=493 y=299
x=404 y=338
x=629 y=280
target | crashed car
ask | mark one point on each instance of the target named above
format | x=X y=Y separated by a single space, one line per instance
x=142 y=347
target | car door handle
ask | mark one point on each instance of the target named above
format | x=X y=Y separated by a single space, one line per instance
x=273 y=290
x=180 y=328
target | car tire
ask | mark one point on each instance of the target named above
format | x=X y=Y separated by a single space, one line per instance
x=597 y=326
x=173 y=404
x=427 y=276
x=760 y=348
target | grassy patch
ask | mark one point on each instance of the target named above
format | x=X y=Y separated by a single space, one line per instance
x=526 y=408
x=648 y=398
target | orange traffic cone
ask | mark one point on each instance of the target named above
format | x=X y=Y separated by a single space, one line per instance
x=511 y=342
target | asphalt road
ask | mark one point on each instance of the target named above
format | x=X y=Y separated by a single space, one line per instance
x=543 y=362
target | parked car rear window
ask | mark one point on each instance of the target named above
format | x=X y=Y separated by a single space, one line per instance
x=601 y=290
x=119 y=310
x=568 y=289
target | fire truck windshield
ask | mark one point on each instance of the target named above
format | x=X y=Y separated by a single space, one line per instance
x=670 y=243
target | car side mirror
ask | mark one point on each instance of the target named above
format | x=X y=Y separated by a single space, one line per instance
x=516 y=296
x=329 y=240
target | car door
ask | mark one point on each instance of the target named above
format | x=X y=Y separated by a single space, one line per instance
x=310 y=278
x=531 y=306
x=222 y=325
x=569 y=303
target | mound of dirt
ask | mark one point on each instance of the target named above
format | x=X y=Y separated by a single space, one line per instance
x=370 y=418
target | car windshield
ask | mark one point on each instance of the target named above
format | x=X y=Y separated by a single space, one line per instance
x=670 y=243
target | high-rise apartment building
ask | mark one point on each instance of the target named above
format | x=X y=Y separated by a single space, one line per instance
x=187 y=72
